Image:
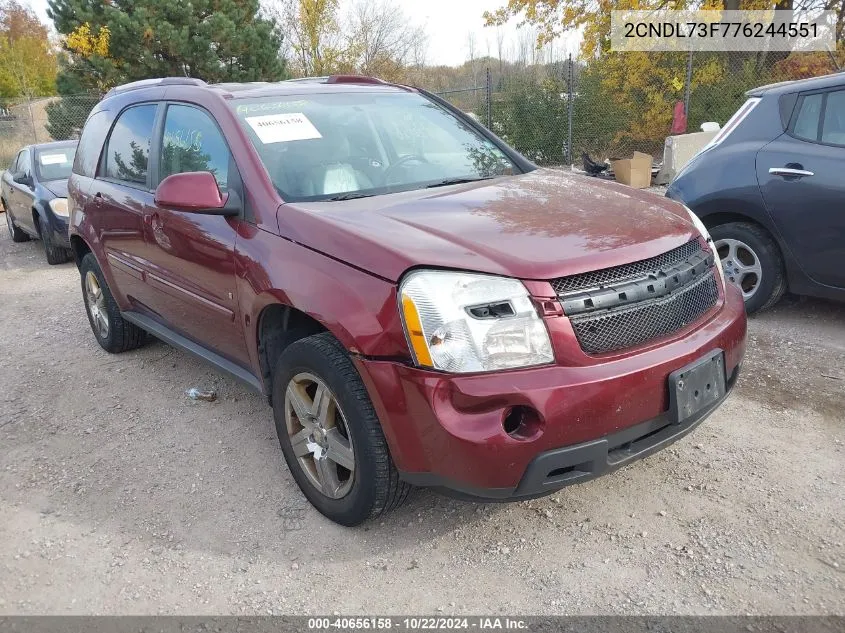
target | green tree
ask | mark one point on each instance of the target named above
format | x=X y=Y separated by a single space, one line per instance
x=531 y=116
x=110 y=43
x=214 y=40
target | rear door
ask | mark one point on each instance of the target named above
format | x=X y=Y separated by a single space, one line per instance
x=192 y=256
x=22 y=196
x=118 y=200
x=7 y=189
x=802 y=179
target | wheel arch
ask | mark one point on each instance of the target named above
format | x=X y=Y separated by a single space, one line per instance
x=36 y=220
x=713 y=214
x=278 y=326
x=79 y=247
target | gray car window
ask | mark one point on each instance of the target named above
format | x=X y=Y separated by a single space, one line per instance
x=23 y=163
x=833 y=128
x=807 y=122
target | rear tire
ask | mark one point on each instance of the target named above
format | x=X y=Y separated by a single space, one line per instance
x=113 y=333
x=753 y=243
x=16 y=234
x=372 y=486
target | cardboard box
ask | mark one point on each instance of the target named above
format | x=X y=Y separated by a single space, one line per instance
x=634 y=172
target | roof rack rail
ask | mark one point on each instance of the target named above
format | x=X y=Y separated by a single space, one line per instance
x=308 y=80
x=162 y=81
x=354 y=79
x=339 y=79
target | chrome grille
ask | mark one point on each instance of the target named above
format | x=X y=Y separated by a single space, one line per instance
x=618 y=329
x=608 y=276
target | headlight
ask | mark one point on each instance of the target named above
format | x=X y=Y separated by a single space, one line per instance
x=59 y=206
x=706 y=235
x=465 y=322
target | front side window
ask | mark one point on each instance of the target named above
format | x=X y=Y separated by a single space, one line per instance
x=23 y=163
x=128 y=149
x=54 y=163
x=355 y=144
x=192 y=142
x=807 y=122
x=833 y=127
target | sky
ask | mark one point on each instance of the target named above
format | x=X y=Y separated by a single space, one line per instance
x=448 y=23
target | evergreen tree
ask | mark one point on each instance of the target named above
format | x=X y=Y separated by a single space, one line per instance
x=109 y=43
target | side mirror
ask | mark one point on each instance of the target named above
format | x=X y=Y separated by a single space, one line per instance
x=22 y=179
x=196 y=192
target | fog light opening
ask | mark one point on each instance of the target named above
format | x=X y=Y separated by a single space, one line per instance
x=521 y=422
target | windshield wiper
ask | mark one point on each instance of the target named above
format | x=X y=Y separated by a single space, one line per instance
x=457 y=181
x=350 y=195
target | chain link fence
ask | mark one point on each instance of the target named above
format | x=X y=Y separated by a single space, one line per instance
x=612 y=106
x=552 y=113
x=40 y=120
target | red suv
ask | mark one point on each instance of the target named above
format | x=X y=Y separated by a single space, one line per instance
x=420 y=304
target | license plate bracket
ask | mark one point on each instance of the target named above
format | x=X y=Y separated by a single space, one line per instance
x=696 y=386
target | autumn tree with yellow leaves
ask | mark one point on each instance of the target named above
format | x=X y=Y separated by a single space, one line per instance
x=645 y=86
x=27 y=62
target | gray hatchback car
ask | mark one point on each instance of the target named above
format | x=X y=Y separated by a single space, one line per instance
x=770 y=187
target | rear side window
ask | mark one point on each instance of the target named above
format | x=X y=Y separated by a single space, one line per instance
x=833 y=126
x=807 y=120
x=91 y=144
x=193 y=142
x=128 y=148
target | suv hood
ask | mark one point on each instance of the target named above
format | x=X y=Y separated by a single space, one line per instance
x=539 y=225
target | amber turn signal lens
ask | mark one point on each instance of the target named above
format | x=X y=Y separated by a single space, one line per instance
x=415 y=332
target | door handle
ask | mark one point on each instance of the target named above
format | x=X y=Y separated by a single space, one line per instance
x=789 y=171
x=154 y=220
x=98 y=199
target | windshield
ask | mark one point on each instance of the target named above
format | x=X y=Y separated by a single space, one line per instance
x=54 y=163
x=349 y=145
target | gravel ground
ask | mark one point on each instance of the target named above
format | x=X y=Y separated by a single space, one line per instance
x=120 y=495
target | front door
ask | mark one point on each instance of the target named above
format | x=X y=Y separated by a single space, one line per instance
x=192 y=256
x=802 y=179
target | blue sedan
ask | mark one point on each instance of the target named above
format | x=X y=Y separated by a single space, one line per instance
x=33 y=192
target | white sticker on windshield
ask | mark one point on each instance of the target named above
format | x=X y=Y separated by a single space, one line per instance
x=280 y=128
x=53 y=159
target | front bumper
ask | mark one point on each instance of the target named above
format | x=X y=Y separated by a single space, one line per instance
x=556 y=468
x=447 y=430
x=59 y=229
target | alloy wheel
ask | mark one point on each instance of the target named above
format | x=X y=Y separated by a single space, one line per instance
x=319 y=435
x=96 y=304
x=741 y=265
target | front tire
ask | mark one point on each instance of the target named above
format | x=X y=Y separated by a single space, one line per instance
x=55 y=254
x=330 y=435
x=113 y=333
x=752 y=262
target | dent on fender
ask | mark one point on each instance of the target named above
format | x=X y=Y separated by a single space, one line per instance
x=358 y=308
